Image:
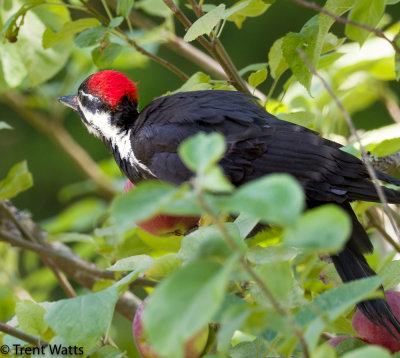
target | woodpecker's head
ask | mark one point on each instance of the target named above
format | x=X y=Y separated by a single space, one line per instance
x=106 y=102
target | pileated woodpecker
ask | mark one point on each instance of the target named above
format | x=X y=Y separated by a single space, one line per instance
x=145 y=146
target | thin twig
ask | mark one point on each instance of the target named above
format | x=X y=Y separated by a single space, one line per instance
x=185 y=49
x=81 y=271
x=234 y=247
x=364 y=155
x=343 y=20
x=382 y=231
x=107 y=9
x=393 y=108
x=215 y=48
x=56 y=254
x=37 y=342
x=182 y=75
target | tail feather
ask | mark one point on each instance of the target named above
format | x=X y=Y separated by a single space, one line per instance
x=352 y=266
x=387 y=178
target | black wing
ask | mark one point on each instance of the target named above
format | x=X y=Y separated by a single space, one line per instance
x=257 y=144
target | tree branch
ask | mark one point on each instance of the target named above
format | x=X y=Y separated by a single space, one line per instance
x=6 y=328
x=215 y=48
x=69 y=290
x=353 y=131
x=83 y=272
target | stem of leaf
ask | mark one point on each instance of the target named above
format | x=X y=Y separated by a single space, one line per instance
x=231 y=242
x=105 y=5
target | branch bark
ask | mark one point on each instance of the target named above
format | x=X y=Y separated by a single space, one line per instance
x=81 y=271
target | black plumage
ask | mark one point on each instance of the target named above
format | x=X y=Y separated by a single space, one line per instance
x=258 y=143
x=145 y=145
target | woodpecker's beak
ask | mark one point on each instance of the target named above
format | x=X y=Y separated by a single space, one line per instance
x=69 y=101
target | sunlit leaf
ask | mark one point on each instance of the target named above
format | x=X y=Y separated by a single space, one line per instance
x=205 y=24
x=368 y=12
x=18 y=179
x=183 y=304
x=78 y=320
x=50 y=38
x=324 y=229
x=258 y=77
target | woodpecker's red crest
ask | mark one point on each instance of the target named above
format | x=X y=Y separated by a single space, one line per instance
x=111 y=87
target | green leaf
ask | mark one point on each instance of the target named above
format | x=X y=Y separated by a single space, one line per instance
x=276 y=199
x=50 y=38
x=147 y=200
x=324 y=229
x=333 y=303
x=197 y=82
x=246 y=223
x=338 y=300
x=253 y=67
x=238 y=13
x=132 y=263
x=202 y=151
x=80 y=216
x=306 y=39
x=214 y=180
x=255 y=348
x=205 y=24
x=368 y=12
x=104 y=58
x=90 y=36
x=31 y=59
x=163 y=266
x=115 y=22
x=368 y=352
x=350 y=344
x=277 y=63
x=12 y=64
x=124 y=7
x=4 y=125
x=184 y=303
x=391 y=274
x=258 y=77
x=18 y=179
x=107 y=352
x=262 y=255
x=392 y=2
x=154 y=7
x=30 y=317
x=78 y=320
x=302 y=118
x=208 y=241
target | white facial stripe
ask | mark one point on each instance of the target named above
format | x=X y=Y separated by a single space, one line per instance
x=100 y=125
x=90 y=96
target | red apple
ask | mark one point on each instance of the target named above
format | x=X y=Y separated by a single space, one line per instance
x=371 y=333
x=165 y=225
x=193 y=347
